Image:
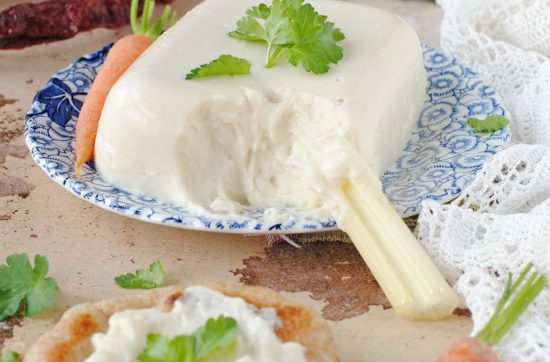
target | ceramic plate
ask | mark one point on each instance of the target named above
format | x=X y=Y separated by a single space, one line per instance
x=442 y=156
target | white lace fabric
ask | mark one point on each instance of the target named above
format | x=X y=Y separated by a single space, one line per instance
x=508 y=42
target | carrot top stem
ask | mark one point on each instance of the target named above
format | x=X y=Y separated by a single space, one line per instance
x=510 y=307
x=148 y=26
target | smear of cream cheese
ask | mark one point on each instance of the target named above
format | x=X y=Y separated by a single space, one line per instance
x=127 y=334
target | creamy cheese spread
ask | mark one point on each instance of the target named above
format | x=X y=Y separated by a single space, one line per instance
x=276 y=138
x=126 y=337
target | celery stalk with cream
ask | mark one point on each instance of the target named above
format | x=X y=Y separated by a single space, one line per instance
x=409 y=278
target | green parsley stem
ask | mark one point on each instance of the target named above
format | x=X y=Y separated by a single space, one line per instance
x=268 y=56
x=147 y=26
x=148 y=7
x=509 y=289
x=134 y=16
x=508 y=311
x=274 y=58
x=524 y=297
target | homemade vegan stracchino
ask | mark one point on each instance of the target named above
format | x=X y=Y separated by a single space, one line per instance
x=310 y=125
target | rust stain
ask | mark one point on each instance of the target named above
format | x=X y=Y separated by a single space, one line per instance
x=12 y=186
x=12 y=150
x=11 y=127
x=331 y=271
x=6 y=328
x=5 y=101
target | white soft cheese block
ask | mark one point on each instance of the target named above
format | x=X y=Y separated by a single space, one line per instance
x=277 y=137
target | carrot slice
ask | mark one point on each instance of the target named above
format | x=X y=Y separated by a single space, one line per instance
x=121 y=56
x=469 y=350
x=518 y=294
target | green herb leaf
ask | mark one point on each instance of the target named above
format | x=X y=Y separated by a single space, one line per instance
x=277 y=24
x=313 y=37
x=261 y=11
x=10 y=356
x=163 y=349
x=215 y=335
x=248 y=28
x=488 y=125
x=293 y=29
x=225 y=65
x=20 y=282
x=143 y=278
x=337 y=34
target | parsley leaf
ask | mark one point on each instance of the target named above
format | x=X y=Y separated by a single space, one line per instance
x=19 y=282
x=314 y=44
x=215 y=335
x=261 y=11
x=277 y=24
x=337 y=34
x=225 y=65
x=293 y=29
x=488 y=125
x=163 y=349
x=248 y=28
x=143 y=278
x=10 y=356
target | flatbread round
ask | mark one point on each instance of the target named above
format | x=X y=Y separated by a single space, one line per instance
x=70 y=339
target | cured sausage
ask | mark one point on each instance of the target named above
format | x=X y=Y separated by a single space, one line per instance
x=27 y=24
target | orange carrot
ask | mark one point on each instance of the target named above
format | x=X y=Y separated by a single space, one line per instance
x=507 y=312
x=469 y=349
x=121 y=56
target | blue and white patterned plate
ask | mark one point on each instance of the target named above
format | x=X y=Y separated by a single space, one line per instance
x=441 y=158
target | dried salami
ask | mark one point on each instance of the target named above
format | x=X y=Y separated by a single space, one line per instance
x=27 y=24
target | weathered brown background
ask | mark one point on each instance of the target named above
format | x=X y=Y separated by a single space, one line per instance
x=88 y=246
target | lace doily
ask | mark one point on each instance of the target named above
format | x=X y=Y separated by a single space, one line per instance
x=502 y=220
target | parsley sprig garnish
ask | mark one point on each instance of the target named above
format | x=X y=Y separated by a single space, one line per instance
x=10 y=356
x=225 y=65
x=488 y=125
x=22 y=286
x=293 y=30
x=143 y=278
x=216 y=335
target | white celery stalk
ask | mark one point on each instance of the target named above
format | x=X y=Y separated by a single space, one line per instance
x=409 y=278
